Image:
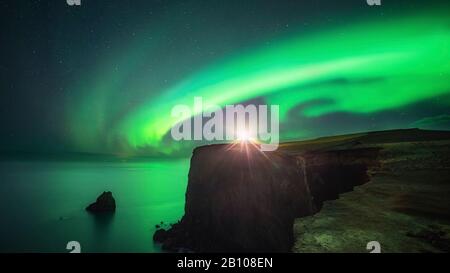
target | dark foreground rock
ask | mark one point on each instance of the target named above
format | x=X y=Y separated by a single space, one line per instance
x=241 y=200
x=105 y=203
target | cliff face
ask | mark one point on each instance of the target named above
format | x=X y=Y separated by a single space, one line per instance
x=333 y=172
x=405 y=206
x=242 y=200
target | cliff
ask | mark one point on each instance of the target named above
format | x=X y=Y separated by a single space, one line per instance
x=242 y=200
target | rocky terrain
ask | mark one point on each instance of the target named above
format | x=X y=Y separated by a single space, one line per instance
x=331 y=194
x=405 y=206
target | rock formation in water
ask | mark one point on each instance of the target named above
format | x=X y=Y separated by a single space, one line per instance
x=242 y=200
x=104 y=203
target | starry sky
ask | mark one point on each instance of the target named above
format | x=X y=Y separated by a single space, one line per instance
x=103 y=77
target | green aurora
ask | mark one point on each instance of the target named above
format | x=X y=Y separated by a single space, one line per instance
x=367 y=67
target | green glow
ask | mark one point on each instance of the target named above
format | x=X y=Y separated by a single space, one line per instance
x=364 y=68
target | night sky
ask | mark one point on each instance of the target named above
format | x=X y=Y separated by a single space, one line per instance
x=103 y=77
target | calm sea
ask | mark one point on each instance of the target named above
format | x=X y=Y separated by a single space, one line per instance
x=42 y=204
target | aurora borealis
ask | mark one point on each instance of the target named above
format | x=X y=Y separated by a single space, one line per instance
x=363 y=68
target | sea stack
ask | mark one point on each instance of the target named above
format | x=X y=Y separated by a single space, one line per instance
x=105 y=203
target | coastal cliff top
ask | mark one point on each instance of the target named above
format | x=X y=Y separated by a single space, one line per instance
x=349 y=141
x=365 y=138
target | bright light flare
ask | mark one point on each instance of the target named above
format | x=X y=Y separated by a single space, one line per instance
x=244 y=136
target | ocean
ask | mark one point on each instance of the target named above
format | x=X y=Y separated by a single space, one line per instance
x=42 y=204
